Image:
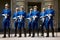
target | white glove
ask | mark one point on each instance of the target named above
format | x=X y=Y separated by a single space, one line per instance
x=20 y=17
x=29 y=19
x=5 y=15
x=14 y=18
x=42 y=19
x=49 y=15
x=34 y=17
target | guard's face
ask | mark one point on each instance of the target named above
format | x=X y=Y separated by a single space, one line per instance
x=43 y=10
x=6 y=7
x=49 y=6
x=35 y=8
x=21 y=9
x=31 y=9
x=16 y=9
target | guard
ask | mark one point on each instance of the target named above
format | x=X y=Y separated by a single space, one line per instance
x=16 y=20
x=6 y=13
x=21 y=21
x=30 y=21
x=35 y=17
x=50 y=13
x=42 y=17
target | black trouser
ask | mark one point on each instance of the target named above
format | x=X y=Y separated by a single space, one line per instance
x=29 y=31
x=29 y=28
x=20 y=31
x=52 y=32
x=47 y=33
x=35 y=27
x=52 y=28
x=42 y=29
x=33 y=32
x=5 y=32
x=16 y=31
x=15 y=24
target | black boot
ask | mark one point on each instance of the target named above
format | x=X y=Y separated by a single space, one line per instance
x=15 y=32
x=29 y=32
x=42 y=33
x=33 y=33
x=38 y=32
x=4 y=37
x=42 y=29
x=29 y=35
x=19 y=32
x=4 y=32
x=15 y=35
x=53 y=33
x=24 y=32
x=8 y=32
x=47 y=33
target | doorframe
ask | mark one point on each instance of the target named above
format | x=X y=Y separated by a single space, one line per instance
x=36 y=3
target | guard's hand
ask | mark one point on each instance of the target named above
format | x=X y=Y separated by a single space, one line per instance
x=14 y=18
x=42 y=17
x=29 y=19
x=49 y=14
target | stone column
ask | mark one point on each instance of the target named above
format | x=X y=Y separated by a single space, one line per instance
x=56 y=14
x=13 y=5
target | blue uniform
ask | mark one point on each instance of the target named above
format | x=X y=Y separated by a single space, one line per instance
x=49 y=21
x=16 y=19
x=15 y=22
x=42 y=17
x=21 y=23
x=6 y=20
x=30 y=21
x=35 y=22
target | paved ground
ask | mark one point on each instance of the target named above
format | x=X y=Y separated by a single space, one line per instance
x=30 y=38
